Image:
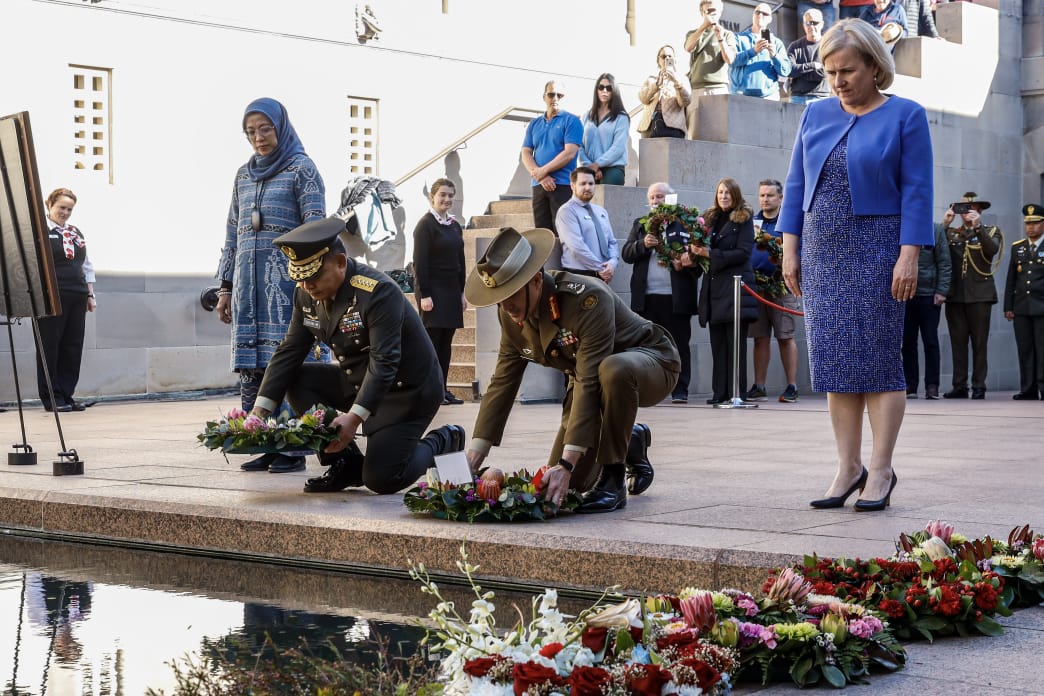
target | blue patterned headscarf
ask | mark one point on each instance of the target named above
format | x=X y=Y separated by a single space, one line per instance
x=261 y=168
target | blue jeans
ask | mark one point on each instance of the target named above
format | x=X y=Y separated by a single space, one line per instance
x=827 y=8
x=803 y=99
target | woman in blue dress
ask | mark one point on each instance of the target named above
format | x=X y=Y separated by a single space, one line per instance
x=856 y=211
x=278 y=189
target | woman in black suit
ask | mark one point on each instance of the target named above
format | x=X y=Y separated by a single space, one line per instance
x=61 y=336
x=438 y=264
x=731 y=226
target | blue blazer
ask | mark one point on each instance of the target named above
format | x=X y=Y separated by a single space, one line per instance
x=889 y=165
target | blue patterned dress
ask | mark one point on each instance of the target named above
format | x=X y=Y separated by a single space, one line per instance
x=262 y=292
x=854 y=325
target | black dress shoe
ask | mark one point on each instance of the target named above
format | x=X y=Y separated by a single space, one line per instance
x=1025 y=396
x=875 y=505
x=957 y=393
x=283 y=464
x=978 y=393
x=712 y=401
x=608 y=493
x=64 y=408
x=258 y=463
x=76 y=406
x=448 y=438
x=345 y=471
x=839 y=500
x=639 y=469
x=449 y=398
x=81 y=405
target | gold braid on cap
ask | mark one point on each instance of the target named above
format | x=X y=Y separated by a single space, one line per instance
x=303 y=268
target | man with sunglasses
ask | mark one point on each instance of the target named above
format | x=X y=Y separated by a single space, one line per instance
x=808 y=81
x=385 y=377
x=549 y=155
x=761 y=58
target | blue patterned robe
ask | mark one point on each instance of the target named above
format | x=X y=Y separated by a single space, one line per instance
x=262 y=292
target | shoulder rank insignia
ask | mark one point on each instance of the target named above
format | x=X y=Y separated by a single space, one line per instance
x=556 y=312
x=571 y=286
x=589 y=301
x=363 y=283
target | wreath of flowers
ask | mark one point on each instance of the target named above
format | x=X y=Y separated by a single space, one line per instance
x=491 y=497
x=239 y=432
x=770 y=285
x=670 y=248
x=938 y=584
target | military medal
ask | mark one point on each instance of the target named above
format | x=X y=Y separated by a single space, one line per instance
x=565 y=337
x=351 y=322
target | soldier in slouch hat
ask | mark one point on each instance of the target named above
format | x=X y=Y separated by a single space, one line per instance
x=386 y=376
x=615 y=360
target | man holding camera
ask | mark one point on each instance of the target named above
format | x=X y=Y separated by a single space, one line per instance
x=711 y=48
x=973 y=247
x=761 y=58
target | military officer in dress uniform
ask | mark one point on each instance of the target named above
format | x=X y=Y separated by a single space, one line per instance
x=386 y=375
x=973 y=248
x=615 y=360
x=1024 y=303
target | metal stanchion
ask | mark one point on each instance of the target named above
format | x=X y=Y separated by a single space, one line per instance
x=737 y=400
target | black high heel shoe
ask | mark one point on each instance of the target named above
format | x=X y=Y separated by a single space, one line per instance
x=839 y=500
x=875 y=505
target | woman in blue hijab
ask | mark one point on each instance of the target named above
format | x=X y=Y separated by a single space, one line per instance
x=277 y=190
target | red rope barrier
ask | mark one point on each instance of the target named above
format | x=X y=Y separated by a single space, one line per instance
x=763 y=301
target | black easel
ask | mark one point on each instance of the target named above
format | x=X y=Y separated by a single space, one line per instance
x=68 y=462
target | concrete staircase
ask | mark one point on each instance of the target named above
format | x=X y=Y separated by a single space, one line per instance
x=517 y=213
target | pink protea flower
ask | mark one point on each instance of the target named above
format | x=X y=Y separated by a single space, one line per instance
x=1038 y=548
x=943 y=530
x=236 y=413
x=789 y=586
x=253 y=424
x=698 y=610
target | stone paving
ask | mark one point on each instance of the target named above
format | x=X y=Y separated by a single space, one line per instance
x=730 y=500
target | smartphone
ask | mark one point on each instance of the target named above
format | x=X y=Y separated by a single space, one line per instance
x=961 y=208
x=766 y=35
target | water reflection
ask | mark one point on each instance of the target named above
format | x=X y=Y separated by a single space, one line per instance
x=75 y=621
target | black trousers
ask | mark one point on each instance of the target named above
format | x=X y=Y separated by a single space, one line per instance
x=969 y=320
x=922 y=317
x=1029 y=339
x=659 y=309
x=721 y=353
x=396 y=454
x=547 y=203
x=442 y=340
x=62 y=339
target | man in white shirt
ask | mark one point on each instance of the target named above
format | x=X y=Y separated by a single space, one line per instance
x=589 y=246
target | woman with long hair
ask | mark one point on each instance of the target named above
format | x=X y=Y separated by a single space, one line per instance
x=606 y=128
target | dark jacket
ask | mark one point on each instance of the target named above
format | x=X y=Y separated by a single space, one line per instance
x=438 y=265
x=731 y=242
x=377 y=339
x=1024 y=291
x=684 y=283
x=971 y=257
x=933 y=266
x=807 y=78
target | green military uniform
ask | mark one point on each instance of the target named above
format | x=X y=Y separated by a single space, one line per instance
x=616 y=361
x=1024 y=299
x=386 y=370
x=971 y=299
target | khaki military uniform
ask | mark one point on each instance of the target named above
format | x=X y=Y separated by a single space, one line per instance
x=971 y=298
x=616 y=361
x=385 y=367
x=1024 y=296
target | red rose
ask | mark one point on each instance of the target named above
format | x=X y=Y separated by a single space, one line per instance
x=682 y=641
x=986 y=597
x=594 y=639
x=636 y=633
x=550 y=650
x=645 y=680
x=705 y=675
x=480 y=666
x=529 y=674
x=588 y=681
x=891 y=607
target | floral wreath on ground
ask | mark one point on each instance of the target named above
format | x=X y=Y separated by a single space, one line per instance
x=663 y=221
x=770 y=285
x=491 y=497
x=239 y=432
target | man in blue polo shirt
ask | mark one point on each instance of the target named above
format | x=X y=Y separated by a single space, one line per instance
x=549 y=155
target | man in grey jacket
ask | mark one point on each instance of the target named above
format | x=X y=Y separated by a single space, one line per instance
x=922 y=316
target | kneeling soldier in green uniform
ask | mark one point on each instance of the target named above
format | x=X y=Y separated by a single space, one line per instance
x=616 y=361
x=1024 y=303
x=386 y=376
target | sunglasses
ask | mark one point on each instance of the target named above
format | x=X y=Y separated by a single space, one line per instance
x=762 y=13
x=605 y=88
x=552 y=95
x=813 y=24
